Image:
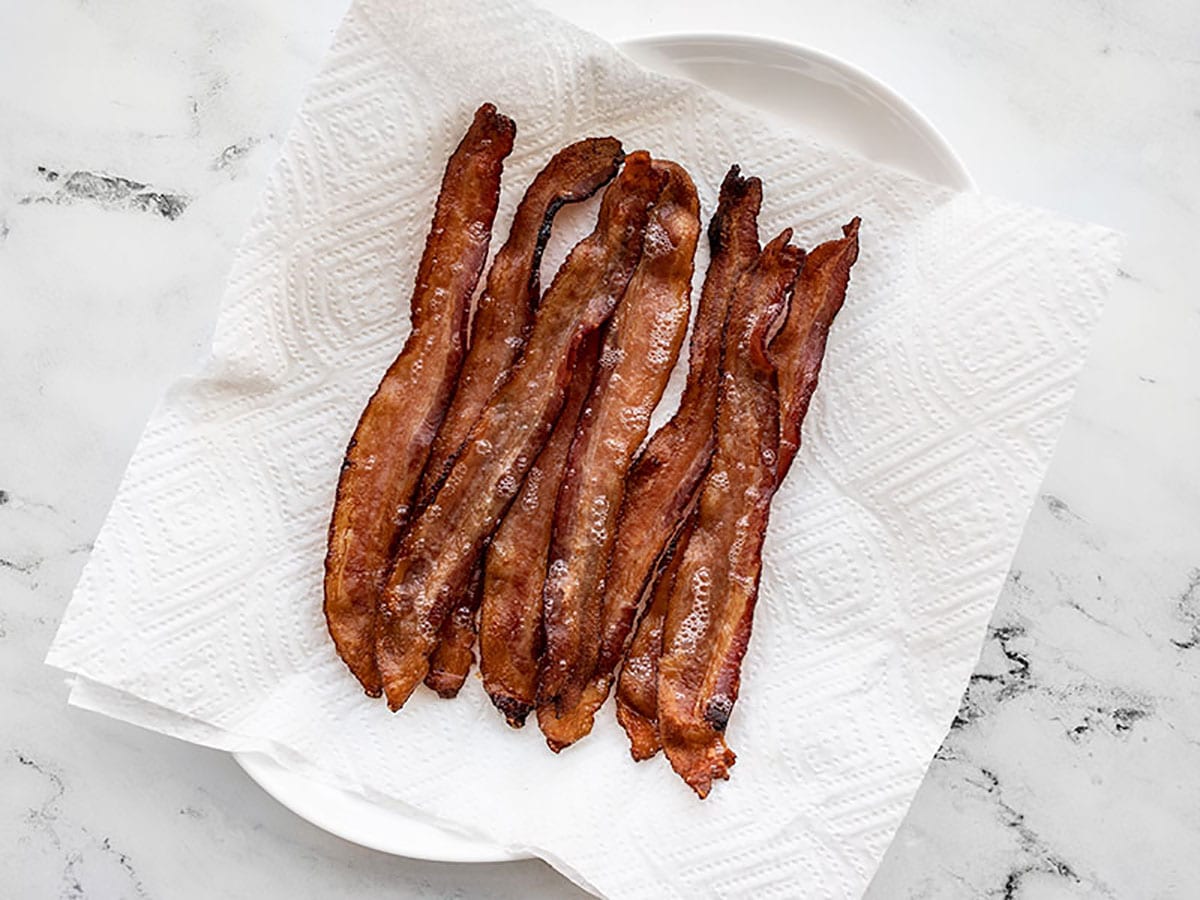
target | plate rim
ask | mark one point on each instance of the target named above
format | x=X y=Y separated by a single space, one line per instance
x=956 y=167
x=274 y=779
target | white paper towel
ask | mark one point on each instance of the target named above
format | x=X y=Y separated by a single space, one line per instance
x=947 y=380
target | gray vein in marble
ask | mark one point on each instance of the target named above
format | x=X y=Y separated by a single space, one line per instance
x=1058 y=507
x=107 y=191
x=1032 y=846
x=43 y=815
x=24 y=567
x=1085 y=702
x=1188 y=607
x=123 y=861
x=1033 y=854
x=1090 y=616
x=234 y=152
x=79 y=870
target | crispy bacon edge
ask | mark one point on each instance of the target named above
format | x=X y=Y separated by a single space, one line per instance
x=640 y=350
x=503 y=317
x=443 y=543
x=715 y=588
x=391 y=441
x=510 y=618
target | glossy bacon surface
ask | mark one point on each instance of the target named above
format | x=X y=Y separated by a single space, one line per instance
x=510 y=619
x=391 y=442
x=505 y=311
x=637 y=690
x=501 y=324
x=641 y=347
x=664 y=480
x=799 y=347
x=451 y=660
x=797 y=351
x=442 y=545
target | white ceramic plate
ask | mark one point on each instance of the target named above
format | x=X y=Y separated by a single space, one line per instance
x=834 y=102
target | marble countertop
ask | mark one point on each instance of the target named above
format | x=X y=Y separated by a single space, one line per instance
x=136 y=138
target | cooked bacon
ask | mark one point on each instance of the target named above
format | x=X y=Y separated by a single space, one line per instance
x=640 y=349
x=451 y=660
x=797 y=350
x=799 y=347
x=637 y=689
x=713 y=593
x=505 y=311
x=442 y=544
x=665 y=477
x=391 y=442
x=501 y=324
x=510 y=619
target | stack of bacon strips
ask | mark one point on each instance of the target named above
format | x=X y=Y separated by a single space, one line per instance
x=494 y=483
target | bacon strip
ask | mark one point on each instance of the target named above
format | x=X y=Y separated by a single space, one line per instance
x=663 y=481
x=500 y=327
x=442 y=545
x=799 y=347
x=451 y=660
x=637 y=690
x=390 y=444
x=510 y=619
x=715 y=588
x=640 y=350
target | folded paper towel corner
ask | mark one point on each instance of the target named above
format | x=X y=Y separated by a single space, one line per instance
x=948 y=378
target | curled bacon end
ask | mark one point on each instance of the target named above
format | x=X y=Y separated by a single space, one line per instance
x=640 y=350
x=799 y=347
x=442 y=545
x=392 y=439
x=510 y=619
x=451 y=660
x=505 y=311
x=707 y=624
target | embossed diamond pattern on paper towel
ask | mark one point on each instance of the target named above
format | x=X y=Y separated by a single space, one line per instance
x=948 y=377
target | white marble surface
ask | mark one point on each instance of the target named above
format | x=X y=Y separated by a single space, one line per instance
x=1074 y=766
